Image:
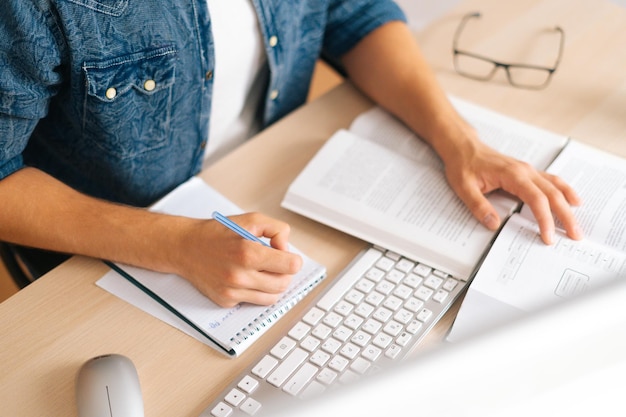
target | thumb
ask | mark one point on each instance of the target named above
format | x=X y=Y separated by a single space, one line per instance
x=480 y=207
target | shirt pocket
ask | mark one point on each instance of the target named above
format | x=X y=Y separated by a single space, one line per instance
x=128 y=102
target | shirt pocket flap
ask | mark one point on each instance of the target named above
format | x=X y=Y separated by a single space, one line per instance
x=146 y=72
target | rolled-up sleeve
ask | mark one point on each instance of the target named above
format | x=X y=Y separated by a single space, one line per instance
x=29 y=75
x=351 y=21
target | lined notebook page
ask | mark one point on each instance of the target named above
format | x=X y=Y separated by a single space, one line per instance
x=233 y=328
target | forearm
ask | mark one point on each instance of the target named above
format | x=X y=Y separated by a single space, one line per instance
x=399 y=79
x=38 y=210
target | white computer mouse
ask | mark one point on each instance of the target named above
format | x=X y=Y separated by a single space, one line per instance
x=108 y=386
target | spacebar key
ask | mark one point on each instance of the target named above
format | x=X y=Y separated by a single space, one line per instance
x=349 y=278
x=287 y=367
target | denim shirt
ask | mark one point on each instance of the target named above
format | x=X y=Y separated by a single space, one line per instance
x=113 y=97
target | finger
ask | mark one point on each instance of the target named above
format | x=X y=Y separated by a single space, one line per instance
x=530 y=192
x=561 y=197
x=264 y=226
x=479 y=206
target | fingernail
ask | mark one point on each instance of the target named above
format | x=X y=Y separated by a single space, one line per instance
x=491 y=222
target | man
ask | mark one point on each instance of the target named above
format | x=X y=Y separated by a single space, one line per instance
x=106 y=105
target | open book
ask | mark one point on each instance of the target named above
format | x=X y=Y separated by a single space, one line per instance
x=378 y=181
x=381 y=183
x=174 y=300
x=521 y=275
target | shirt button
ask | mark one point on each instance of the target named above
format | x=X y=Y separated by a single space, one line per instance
x=149 y=85
x=208 y=75
x=273 y=41
x=203 y=144
x=111 y=93
x=274 y=94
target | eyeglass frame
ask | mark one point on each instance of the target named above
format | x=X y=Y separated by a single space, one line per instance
x=497 y=64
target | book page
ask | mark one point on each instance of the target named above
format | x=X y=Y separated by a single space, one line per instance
x=521 y=274
x=390 y=189
x=228 y=327
x=599 y=178
x=512 y=137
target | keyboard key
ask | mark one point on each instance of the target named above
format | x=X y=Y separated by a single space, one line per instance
x=371 y=353
x=405 y=265
x=332 y=319
x=375 y=274
x=382 y=340
x=360 y=365
x=350 y=351
x=382 y=314
x=375 y=298
x=392 y=303
x=413 y=281
x=393 y=351
x=221 y=410
x=414 y=327
x=423 y=293
x=450 y=284
x=320 y=358
x=343 y=308
x=393 y=328
x=287 y=367
x=346 y=281
x=283 y=347
x=310 y=343
x=364 y=310
x=248 y=384
x=403 y=316
x=300 y=379
x=327 y=376
x=342 y=333
x=234 y=397
x=250 y=406
x=385 y=263
x=439 y=273
x=424 y=315
x=338 y=363
x=440 y=296
x=433 y=282
x=314 y=389
x=321 y=331
x=372 y=326
x=353 y=321
x=265 y=365
x=404 y=339
x=331 y=345
x=298 y=331
x=422 y=270
x=354 y=296
x=413 y=304
x=313 y=316
x=403 y=291
x=360 y=338
x=395 y=276
x=365 y=285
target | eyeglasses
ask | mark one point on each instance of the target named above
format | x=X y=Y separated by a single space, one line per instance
x=482 y=68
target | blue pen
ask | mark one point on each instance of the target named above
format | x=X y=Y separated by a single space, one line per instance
x=236 y=228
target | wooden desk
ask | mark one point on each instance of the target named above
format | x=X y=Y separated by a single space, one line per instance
x=50 y=328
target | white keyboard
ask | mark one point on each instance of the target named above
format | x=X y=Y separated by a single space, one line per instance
x=377 y=311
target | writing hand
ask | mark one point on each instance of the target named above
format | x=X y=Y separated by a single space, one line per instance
x=230 y=269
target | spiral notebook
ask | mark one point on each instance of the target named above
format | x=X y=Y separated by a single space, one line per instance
x=174 y=300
